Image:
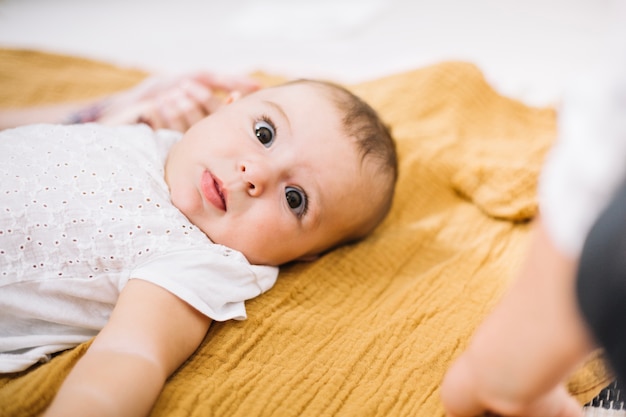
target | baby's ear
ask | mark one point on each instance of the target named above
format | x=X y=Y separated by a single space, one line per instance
x=308 y=258
x=233 y=96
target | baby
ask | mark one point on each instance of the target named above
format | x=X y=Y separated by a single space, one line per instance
x=142 y=238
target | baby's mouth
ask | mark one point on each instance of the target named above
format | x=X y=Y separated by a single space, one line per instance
x=212 y=190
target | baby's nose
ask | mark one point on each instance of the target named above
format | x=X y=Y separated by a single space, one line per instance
x=256 y=175
x=254 y=190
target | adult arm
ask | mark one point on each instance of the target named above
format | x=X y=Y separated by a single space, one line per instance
x=150 y=333
x=520 y=356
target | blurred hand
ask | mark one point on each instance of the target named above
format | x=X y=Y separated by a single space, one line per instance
x=470 y=392
x=527 y=346
x=174 y=102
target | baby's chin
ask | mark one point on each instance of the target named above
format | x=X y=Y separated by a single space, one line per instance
x=256 y=257
x=260 y=259
x=256 y=251
x=274 y=260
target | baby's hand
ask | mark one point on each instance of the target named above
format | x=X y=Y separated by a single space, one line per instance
x=174 y=103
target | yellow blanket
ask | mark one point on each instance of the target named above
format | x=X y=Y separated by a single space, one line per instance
x=369 y=329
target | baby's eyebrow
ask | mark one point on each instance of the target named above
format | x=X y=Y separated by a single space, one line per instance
x=279 y=109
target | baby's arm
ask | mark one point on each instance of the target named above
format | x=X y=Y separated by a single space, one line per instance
x=171 y=102
x=520 y=356
x=174 y=102
x=56 y=113
x=151 y=332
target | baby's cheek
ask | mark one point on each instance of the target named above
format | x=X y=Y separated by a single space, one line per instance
x=188 y=201
x=278 y=246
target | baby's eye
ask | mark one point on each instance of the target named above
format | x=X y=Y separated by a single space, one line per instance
x=296 y=199
x=265 y=132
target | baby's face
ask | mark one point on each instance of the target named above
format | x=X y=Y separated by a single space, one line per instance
x=271 y=175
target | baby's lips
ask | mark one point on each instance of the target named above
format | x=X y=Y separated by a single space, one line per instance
x=212 y=190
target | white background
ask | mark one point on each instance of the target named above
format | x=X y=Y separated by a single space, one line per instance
x=526 y=48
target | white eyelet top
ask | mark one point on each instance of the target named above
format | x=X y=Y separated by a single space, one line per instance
x=84 y=208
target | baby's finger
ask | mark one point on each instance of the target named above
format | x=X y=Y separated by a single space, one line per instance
x=202 y=96
x=170 y=118
x=190 y=110
x=150 y=117
x=179 y=112
x=161 y=114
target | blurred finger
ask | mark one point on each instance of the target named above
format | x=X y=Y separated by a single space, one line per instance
x=227 y=83
x=558 y=403
x=149 y=87
x=122 y=115
x=151 y=117
x=170 y=116
x=190 y=111
x=178 y=111
x=202 y=96
x=458 y=391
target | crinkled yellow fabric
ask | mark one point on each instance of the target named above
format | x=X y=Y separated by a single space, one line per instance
x=369 y=329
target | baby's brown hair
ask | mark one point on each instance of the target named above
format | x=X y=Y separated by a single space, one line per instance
x=373 y=140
